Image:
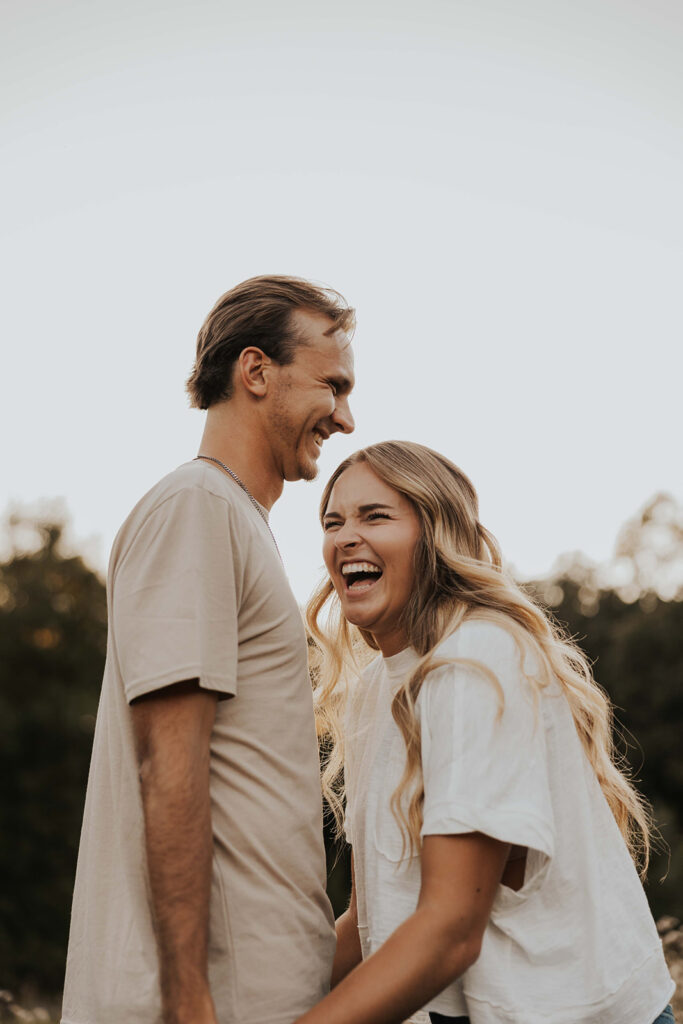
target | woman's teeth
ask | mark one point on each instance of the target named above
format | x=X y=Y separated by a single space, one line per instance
x=350 y=567
x=360 y=575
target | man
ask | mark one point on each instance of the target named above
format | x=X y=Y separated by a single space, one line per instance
x=200 y=889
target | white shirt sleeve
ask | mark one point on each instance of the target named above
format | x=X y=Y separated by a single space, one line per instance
x=484 y=749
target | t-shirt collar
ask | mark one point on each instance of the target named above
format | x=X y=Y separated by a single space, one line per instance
x=398 y=664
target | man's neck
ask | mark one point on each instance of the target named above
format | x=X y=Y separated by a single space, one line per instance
x=237 y=440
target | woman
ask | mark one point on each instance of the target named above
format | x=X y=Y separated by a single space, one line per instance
x=492 y=831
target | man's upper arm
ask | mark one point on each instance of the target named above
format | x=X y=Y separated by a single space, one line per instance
x=175 y=598
x=173 y=726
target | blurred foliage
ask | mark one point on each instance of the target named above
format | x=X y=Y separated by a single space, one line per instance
x=649 y=552
x=634 y=639
x=52 y=645
x=338 y=870
x=627 y=615
x=637 y=653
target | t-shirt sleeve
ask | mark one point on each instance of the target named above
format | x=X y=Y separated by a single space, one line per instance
x=485 y=769
x=175 y=598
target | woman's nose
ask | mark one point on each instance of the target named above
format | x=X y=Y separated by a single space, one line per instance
x=346 y=536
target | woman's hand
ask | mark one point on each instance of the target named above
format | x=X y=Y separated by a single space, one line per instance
x=434 y=946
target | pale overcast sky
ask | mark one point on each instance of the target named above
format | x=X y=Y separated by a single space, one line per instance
x=495 y=186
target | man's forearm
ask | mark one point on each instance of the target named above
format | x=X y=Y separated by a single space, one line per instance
x=179 y=855
x=176 y=802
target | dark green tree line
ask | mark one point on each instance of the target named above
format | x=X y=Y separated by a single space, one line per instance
x=52 y=648
x=637 y=654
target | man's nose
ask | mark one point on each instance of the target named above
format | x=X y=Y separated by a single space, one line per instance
x=342 y=418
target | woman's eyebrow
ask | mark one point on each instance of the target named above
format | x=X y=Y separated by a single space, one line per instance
x=374 y=505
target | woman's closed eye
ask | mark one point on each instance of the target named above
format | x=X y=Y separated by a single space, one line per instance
x=331 y=524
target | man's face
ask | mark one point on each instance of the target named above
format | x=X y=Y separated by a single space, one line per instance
x=311 y=396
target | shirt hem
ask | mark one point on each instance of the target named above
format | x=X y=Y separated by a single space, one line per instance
x=180 y=675
x=280 y=1019
x=627 y=1004
x=516 y=826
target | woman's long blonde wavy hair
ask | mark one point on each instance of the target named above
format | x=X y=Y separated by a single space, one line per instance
x=458 y=575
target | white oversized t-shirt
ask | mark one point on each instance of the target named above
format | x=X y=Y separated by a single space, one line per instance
x=577 y=943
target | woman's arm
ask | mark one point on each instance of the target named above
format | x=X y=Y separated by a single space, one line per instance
x=434 y=946
x=348 y=952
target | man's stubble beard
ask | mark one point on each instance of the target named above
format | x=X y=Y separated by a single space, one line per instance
x=308 y=472
x=290 y=436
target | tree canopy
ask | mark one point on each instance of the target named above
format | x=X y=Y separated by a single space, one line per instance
x=52 y=644
x=627 y=615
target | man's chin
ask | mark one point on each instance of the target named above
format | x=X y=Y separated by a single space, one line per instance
x=308 y=471
x=304 y=471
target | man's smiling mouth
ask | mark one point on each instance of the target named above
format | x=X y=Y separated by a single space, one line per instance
x=360 y=575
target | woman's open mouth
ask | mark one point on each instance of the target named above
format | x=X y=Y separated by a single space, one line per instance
x=360 y=576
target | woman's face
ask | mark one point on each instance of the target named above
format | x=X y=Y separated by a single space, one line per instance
x=370 y=535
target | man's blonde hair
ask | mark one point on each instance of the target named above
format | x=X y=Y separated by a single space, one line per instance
x=257 y=312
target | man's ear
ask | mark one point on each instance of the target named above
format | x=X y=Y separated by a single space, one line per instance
x=252 y=370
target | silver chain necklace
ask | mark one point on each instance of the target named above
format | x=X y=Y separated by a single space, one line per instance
x=252 y=499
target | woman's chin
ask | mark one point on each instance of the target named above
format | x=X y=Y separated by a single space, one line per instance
x=355 y=617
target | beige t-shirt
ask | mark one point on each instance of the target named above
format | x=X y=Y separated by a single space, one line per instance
x=196 y=589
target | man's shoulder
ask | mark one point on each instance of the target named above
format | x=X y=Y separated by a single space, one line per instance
x=190 y=476
x=191 y=480
x=191 y=493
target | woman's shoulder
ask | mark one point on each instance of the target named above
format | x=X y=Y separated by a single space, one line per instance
x=484 y=638
x=492 y=647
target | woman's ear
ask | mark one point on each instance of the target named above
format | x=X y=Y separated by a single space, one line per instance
x=252 y=368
